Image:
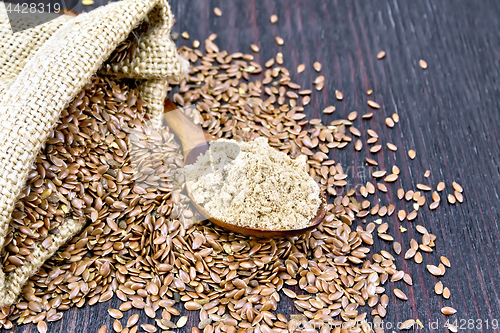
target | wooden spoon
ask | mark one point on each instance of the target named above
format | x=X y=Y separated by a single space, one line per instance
x=195 y=142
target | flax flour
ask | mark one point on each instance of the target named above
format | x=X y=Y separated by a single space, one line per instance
x=252 y=184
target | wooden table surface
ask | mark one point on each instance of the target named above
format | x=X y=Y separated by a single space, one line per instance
x=449 y=114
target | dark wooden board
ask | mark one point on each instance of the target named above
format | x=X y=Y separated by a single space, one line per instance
x=449 y=114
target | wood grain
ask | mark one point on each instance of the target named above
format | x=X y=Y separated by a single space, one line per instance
x=449 y=114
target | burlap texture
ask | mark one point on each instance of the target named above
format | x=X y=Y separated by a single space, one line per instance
x=42 y=69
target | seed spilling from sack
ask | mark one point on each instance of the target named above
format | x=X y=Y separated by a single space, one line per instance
x=142 y=243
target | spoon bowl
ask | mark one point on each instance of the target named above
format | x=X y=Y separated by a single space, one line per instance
x=195 y=142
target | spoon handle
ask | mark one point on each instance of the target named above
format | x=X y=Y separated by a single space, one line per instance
x=190 y=135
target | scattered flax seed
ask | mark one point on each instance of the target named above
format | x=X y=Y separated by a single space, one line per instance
x=423 y=187
x=438 y=288
x=117 y=314
x=217 y=11
x=408 y=324
x=391 y=209
x=358 y=145
x=373 y=104
x=185 y=35
x=319 y=79
x=411 y=216
x=452 y=328
x=369 y=92
x=391 y=178
x=370 y=188
x=434 y=270
x=196 y=43
x=401 y=215
x=301 y=68
x=400 y=193
x=279 y=58
x=42 y=327
x=446 y=293
x=425 y=248
x=372 y=133
x=204 y=323
x=445 y=261
x=397 y=247
x=191 y=306
x=132 y=320
x=254 y=48
x=381 y=55
x=391 y=146
x=399 y=294
x=317 y=66
x=103 y=329
x=125 y=306
x=457 y=187
x=459 y=196
x=389 y=122
x=427 y=173
x=153 y=259
x=407 y=279
x=447 y=310
x=395 y=170
x=352 y=116
x=149 y=311
x=434 y=205
x=418 y=258
x=279 y=40
x=395 y=117
x=421 y=229
x=274 y=18
x=399 y=274
x=386 y=237
x=383 y=228
x=379 y=174
x=440 y=186
x=451 y=199
x=117 y=326
x=182 y=321
x=339 y=95
x=375 y=149
x=410 y=253
x=148 y=328
x=354 y=131
x=329 y=109
x=412 y=154
x=422 y=64
x=269 y=63
x=290 y=293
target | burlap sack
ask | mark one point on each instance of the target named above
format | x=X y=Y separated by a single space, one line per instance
x=42 y=69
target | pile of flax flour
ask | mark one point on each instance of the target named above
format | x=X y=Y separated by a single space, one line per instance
x=253 y=185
